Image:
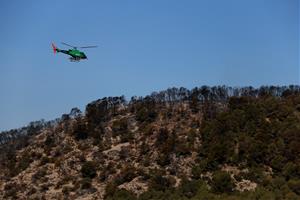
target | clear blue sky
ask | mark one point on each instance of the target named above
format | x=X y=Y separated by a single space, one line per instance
x=144 y=46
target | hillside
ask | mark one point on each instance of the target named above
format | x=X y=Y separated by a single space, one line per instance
x=205 y=143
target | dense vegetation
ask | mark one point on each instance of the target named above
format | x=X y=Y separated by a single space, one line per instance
x=258 y=131
x=210 y=138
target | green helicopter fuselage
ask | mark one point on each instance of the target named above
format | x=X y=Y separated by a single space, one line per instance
x=76 y=54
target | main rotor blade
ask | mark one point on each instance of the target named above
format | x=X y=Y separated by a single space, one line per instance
x=88 y=47
x=68 y=45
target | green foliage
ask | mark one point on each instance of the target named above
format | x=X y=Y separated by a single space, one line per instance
x=198 y=190
x=277 y=183
x=291 y=170
x=222 y=182
x=106 y=171
x=126 y=175
x=44 y=160
x=159 y=182
x=66 y=190
x=163 y=159
x=16 y=166
x=88 y=169
x=160 y=195
x=49 y=142
x=255 y=174
x=197 y=170
x=189 y=188
x=110 y=190
x=162 y=136
x=277 y=163
x=146 y=115
x=10 y=191
x=254 y=131
x=294 y=185
x=97 y=112
x=86 y=183
x=80 y=131
x=165 y=142
x=24 y=161
x=40 y=175
x=183 y=148
x=120 y=128
x=291 y=196
x=121 y=194
x=263 y=194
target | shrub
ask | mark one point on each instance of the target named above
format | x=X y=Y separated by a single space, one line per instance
x=49 y=142
x=124 y=153
x=222 y=182
x=32 y=191
x=81 y=135
x=80 y=131
x=255 y=174
x=106 y=171
x=183 y=148
x=86 y=183
x=126 y=175
x=110 y=189
x=66 y=190
x=121 y=194
x=197 y=171
x=10 y=191
x=159 y=183
x=145 y=114
x=291 y=170
x=24 y=162
x=278 y=163
x=162 y=137
x=163 y=160
x=119 y=126
x=126 y=137
x=40 y=175
x=294 y=185
x=88 y=169
x=44 y=160
x=291 y=196
x=277 y=183
x=44 y=188
x=189 y=188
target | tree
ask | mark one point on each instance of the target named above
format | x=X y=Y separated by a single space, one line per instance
x=75 y=112
x=80 y=130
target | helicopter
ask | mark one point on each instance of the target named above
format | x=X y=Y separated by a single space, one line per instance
x=75 y=54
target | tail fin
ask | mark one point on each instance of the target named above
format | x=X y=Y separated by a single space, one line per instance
x=54 y=48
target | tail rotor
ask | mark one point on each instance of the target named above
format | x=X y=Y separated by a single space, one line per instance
x=54 y=48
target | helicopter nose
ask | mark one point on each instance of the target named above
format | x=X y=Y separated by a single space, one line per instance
x=83 y=56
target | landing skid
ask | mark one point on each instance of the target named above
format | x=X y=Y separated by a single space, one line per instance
x=72 y=59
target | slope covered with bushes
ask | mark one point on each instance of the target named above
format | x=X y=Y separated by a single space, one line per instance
x=205 y=143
